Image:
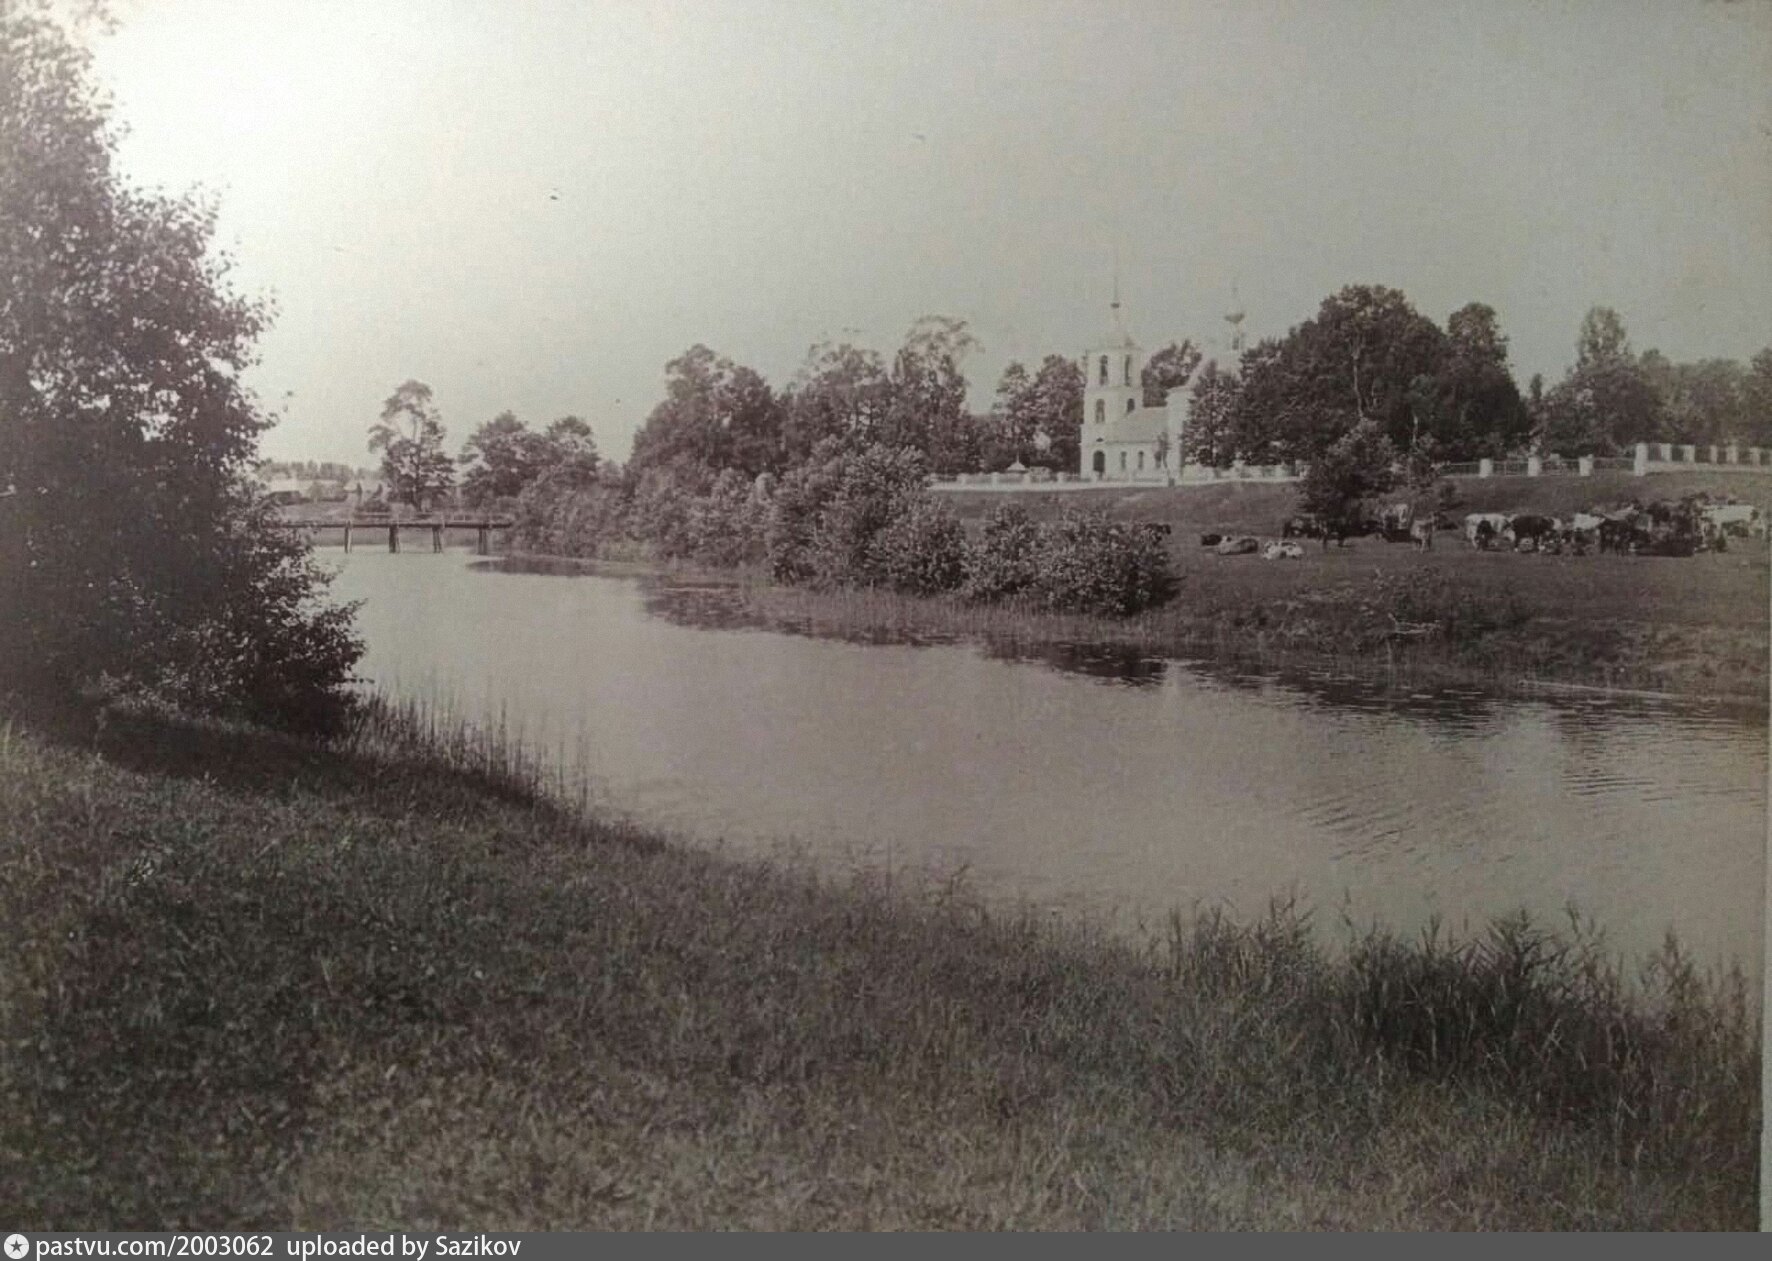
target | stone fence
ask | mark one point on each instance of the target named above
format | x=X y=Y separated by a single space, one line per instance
x=1649 y=457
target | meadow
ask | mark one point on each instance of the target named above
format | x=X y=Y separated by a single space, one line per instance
x=406 y=980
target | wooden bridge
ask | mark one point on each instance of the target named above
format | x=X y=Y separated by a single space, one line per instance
x=482 y=526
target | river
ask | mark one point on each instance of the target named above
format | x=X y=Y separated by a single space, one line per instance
x=1101 y=785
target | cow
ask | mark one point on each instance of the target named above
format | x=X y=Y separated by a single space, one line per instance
x=1741 y=520
x=1529 y=531
x=1211 y=540
x=1421 y=531
x=1157 y=529
x=1239 y=545
x=1286 y=550
x=1481 y=529
x=1396 y=523
x=1618 y=532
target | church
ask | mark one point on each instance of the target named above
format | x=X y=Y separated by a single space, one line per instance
x=1122 y=439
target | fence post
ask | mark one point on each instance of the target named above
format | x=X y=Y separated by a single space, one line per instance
x=1667 y=452
x=1534 y=466
x=1585 y=465
x=1485 y=467
x=1689 y=453
x=1640 y=466
x=1735 y=453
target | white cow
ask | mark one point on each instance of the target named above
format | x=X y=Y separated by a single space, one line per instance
x=1735 y=519
x=1473 y=526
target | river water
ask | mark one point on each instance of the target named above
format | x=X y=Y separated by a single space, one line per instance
x=1098 y=784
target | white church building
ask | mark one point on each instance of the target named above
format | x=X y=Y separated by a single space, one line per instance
x=1123 y=440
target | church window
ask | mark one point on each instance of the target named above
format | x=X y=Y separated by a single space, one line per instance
x=1103 y=370
x=1128 y=369
x=1122 y=461
x=1130 y=404
x=1141 y=461
x=1100 y=410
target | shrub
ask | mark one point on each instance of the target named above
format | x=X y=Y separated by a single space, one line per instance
x=922 y=551
x=1090 y=564
x=1005 y=561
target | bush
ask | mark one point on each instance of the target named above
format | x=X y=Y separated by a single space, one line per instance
x=922 y=551
x=1005 y=561
x=1090 y=564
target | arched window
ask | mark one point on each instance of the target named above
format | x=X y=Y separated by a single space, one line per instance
x=1122 y=461
x=1100 y=410
x=1103 y=370
x=1128 y=369
x=1131 y=403
x=1141 y=461
x=1101 y=461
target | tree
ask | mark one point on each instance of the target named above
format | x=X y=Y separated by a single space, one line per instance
x=135 y=555
x=841 y=392
x=1607 y=401
x=1357 y=360
x=1208 y=438
x=715 y=415
x=1049 y=403
x=1756 y=400
x=409 y=436
x=504 y=456
x=1169 y=368
x=1476 y=406
x=927 y=411
x=1339 y=486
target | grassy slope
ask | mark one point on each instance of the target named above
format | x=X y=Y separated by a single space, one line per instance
x=247 y=981
x=1257 y=508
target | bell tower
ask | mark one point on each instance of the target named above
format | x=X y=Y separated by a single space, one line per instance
x=1113 y=370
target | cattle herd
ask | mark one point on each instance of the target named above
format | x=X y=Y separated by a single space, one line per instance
x=1683 y=527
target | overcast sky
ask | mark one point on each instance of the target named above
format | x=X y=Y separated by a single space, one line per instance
x=534 y=204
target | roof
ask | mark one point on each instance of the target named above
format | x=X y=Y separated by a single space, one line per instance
x=1145 y=424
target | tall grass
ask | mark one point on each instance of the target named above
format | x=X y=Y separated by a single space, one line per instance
x=403 y=980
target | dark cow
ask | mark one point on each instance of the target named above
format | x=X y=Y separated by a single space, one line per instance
x=1211 y=540
x=1531 y=530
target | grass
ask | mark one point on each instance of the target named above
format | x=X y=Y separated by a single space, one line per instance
x=405 y=981
x=1695 y=627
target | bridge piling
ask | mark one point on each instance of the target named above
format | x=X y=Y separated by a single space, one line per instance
x=393 y=537
x=347 y=537
x=436 y=538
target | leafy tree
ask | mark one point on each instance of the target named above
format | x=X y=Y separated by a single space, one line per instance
x=1357 y=360
x=927 y=411
x=135 y=556
x=1049 y=403
x=715 y=414
x=841 y=392
x=1341 y=483
x=1476 y=407
x=1704 y=401
x=504 y=456
x=1208 y=438
x=1169 y=368
x=1607 y=401
x=1756 y=400
x=409 y=436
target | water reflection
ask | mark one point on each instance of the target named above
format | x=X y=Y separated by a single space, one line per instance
x=1105 y=781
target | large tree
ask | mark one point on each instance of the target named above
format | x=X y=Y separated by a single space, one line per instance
x=504 y=456
x=841 y=392
x=1607 y=402
x=1048 y=405
x=1208 y=438
x=1476 y=409
x=134 y=553
x=409 y=436
x=715 y=415
x=1359 y=359
x=1756 y=400
x=927 y=412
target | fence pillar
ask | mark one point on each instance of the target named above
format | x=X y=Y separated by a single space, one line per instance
x=1735 y=453
x=1485 y=467
x=1640 y=466
x=1689 y=453
x=1713 y=454
x=1667 y=451
x=1585 y=465
x=1534 y=466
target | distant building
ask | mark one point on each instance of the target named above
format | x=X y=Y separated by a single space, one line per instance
x=287 y=490
x=1123 y=440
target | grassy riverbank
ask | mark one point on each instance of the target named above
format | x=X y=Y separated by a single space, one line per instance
x=254 y=981
x=1694 y=627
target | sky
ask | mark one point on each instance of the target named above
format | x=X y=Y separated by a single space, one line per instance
x=535 y=204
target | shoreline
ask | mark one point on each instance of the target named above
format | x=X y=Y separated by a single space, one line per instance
x=286 y=983
x=1212 y=640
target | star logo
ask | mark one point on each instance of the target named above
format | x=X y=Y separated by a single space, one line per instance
x=17 y=1246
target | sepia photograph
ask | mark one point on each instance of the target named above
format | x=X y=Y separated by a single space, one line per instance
x=881 y=615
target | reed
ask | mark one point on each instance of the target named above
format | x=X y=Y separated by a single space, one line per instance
x=405 y=980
